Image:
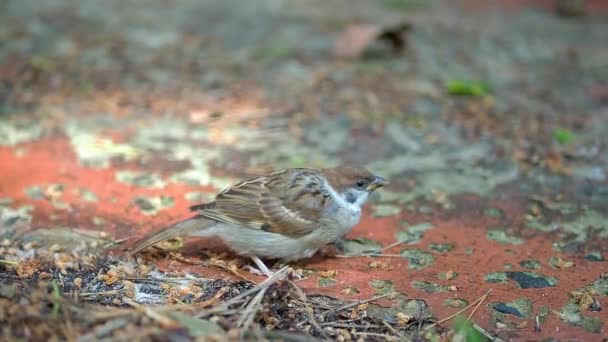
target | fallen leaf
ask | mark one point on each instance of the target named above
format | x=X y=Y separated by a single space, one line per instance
x=403 y=319
x=356 y=39
x=467 y=88
x=379 y=265
x=559 y=262
x=349 y=290
x=328 y=274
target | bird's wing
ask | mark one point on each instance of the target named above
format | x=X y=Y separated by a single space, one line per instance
x=289 y=202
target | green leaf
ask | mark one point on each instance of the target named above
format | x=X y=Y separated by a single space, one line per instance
x=466 y=332
x=563 y=136
x=467 y=88
x=55 y=298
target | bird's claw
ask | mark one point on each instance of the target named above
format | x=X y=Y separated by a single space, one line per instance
x=257 y=272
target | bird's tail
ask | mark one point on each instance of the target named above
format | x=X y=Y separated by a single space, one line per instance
x=183 y=228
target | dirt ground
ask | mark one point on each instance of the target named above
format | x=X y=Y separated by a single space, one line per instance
x=489 y=118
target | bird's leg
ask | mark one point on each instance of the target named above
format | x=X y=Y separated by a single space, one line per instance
x=340 y=245
x=262 y=269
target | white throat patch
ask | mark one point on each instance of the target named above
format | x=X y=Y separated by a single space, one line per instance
x=355 y=207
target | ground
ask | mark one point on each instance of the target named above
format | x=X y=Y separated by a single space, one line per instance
x=489 y=118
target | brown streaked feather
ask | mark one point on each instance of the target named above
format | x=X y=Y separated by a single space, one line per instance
x=202 y=206
x=289 y=202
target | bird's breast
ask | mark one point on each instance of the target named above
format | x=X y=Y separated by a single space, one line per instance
x=344 y=219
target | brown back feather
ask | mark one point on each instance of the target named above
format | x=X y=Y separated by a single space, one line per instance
x=289 y=202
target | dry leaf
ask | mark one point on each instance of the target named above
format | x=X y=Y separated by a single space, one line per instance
x=27 y=268
x=357 y=38
x=349 y=290
x=379 y=265
x=403 y=319
x=328 y=274
x=44 y=275
x=563 y=264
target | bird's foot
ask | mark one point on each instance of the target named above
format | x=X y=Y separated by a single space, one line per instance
x=262 y=269
x=257 y=272
x=292 y=274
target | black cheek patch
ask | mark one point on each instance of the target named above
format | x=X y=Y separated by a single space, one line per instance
x=351 y=198
x=266 y=227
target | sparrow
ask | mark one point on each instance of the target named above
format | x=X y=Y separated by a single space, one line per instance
x=286 y=215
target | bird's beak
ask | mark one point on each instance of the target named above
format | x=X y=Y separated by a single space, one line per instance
x=377 y=183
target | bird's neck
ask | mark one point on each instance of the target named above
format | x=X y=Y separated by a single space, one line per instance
x=348 y=199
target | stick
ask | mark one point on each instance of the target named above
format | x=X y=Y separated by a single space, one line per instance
x=8 y=262
x=385 y=336
x=101 y=293
x=347 y=306
x=278 y=275
x=478 y=304
x=396 y=243
x=116 y=242
x=164 y=321
x=308 y=309
x=369 y=255
x=252 y=308
x=485 y=333
x=386 y=324
x=459 y=312
x=220 y=266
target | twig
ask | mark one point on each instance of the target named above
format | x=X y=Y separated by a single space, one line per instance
x=171 y=280
x=101 y=293
x=347 y=306
x=350 y=325
x=485 y=333
x=204 y=304
x=116 y=242
x=251 y=310
x=202 y=263
x=393 y=330
x=211 y=301
x=308 y=309
x=478 y=304
x=385 y=336
x=278 y=275
x=373 y=255
x=164 y=321
x=282 y=335
x=8 y=262
x=396 y=243
x=478 y=300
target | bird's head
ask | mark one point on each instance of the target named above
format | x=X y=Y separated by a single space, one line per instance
x=353 y=184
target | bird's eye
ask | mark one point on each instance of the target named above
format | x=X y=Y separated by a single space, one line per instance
x=360 y=184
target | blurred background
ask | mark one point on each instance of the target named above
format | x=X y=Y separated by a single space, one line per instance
x=457 y=97
x=117 y=115
x=445 y=98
